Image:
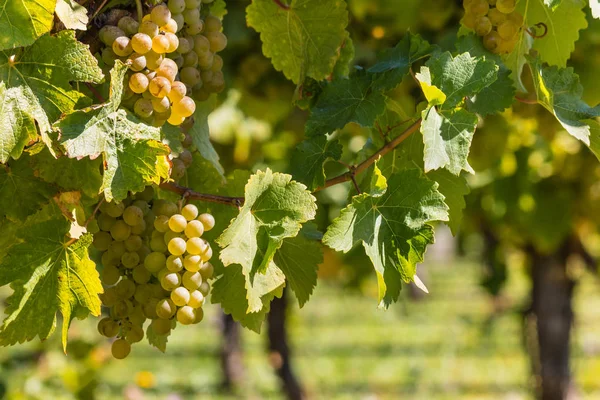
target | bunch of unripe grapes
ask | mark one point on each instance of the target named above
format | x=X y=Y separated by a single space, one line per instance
x=172 y=55
x=496 y=21
x=155 y=267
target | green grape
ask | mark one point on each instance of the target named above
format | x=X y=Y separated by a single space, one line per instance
x=135 y=334
x=186 y=157
x=196 y=299
x=207 y=220
x=168 y=69
x=212 y=24
x=141 y=275
x=194 y=28
x=143 y=292
x=199 y=316
x=133 y=243
x=161 y=326
x=143 y=108
x=218 y=41
x=177 y=223
x=155 y=261
x=191 y=16
x=516 y=18
x=114 y=210
x=144 y=252
x=178 y=18
x=217 y=64
x=170 y=281
x=158 y=291
x=190 y=59
x=507 y=30
x=149 y=308
x=206 y=60
x=122 y=46
x=177 y=59
x=117 y=249
x=174 y=263
x=496 y=17
x=186 y=315
x=176 y=120
x=201 y=45
x=121 y=309
x=160 y=14
x=161 y=223
x=492 y=2
x=479 y=7
x=109 y=297
x=161 y=105
x=102 y=240
x=217 y=84
x=108 y=328
x=158 y=244
x=162 y=273
x=180 y=296
x=137 y=317
x=138 y=83
x=177 y=246
x=505 y=6
x=105 y=222
x=109 y=57
x=200 y=94
x=153 y=61
x=149 y=28
x=160 y=44
x=125 y=288
x=196 y=246
x=159 y=87
x=192 y=262
x=120 y=349
x=483 y=26
x=193 y=3
x=207 y=270
x=204 y=288
x=206 y=75
x=110 y=275
x=185 y=107
x=170 y=235
x=173 y=41
x=190 y=76
x=139 y=229
x=130 y=260
x=120 y=231
x=109 y=33
x=492 y=41
x=142 y=205
x=191 y=280
x=194 y=229
x=133 y=215
x=176 y=6
x=165 y=308
x=178 y=170
x=128 y=25
x=108 y=259
x=184 y=46
x=178 y=91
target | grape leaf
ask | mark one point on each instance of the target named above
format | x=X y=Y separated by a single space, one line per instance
x=36 y=88
x=515 y=60
x=158 y=341
x=459 y=77
x=454 y=188
x=202 y=175
x=229 y=291
x=559 y=91
x=274 y=209
x=299 y=258
x=563 y=22
x=302 y=40
x=344 y=61
x=447 y=137
x=595 y=7
x=344 y=101
x=393 y=228
x=22 y=193
x=499 y=95
x=309 y=158
x=23 y=21
x=47 y=275
x=393 y=64
x=552 y=3
x=72 y=14
x=133 y=154
x=201 y=134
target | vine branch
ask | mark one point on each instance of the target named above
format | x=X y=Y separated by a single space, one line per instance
x=193 y=195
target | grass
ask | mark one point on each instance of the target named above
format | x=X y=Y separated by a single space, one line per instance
x=443 y=347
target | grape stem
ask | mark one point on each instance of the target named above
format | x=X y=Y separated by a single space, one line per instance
x=281 y=4
x=140 y=10
x=193 y=195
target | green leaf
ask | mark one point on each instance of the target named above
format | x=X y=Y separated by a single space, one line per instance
x=158 y=341
x=393 y=64
x=229 y=291
x=344 y=61
x=393 y=228
x=344 y=101
x=447 y=137
x=201 y=134
x=309 y=158
x=499 y=95
x=559 y=91
x=299 y=258
x=47 y=276
x=133 y=155
x=202 y=176
x=35 y=88
x=564 y=23
x=552 y=3
x=22 y=193
x=459 y=77
x=516 y=60
x=454 y=188
x=303 y=40
x=72 y=14
x=275 y=208
x=23 y=21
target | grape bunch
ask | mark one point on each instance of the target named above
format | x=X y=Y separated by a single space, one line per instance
x=496 y=21
x=155 y=267
x=172 y=58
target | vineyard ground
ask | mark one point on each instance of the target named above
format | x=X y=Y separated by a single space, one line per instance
x=445 y=347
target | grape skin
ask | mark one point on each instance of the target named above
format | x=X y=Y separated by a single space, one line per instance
x=120 y=349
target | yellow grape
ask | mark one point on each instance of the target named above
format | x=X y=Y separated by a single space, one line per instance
x=175 y=119
x=516 y=18
x=160 y=44
x=492 y=41
x=191 y=280
x=171 y=26
x=141 y=43
x=120 y=349
x=161 y=326
x=160 y=15
x=192 y=262
x=186 y=315
x=180 y=296
x=153 y=60
x=177 y=223
x=177 y=246
x=207 y=220
x=161 y=105
x=161 y=223
x=122 y=46
x=479 y=7
x=196 y=299
x=508 y=30
x=143 y=108
x=168 y=69
x=505 y=6
x=199 y=316
x=173 y=42
x=165 y=309
x=138 y=62
x=196 y=246
x=218 y=40
x=201 y=44
x=212 y=24
x=149 y=28
x=170 y=281
x=483 y=26
x=190 y=212
x=159 y=87
x=185 y=107
x=178 y=91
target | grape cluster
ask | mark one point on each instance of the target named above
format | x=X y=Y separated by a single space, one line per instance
x=172 y=58
x=496 y=21
x=155 y=267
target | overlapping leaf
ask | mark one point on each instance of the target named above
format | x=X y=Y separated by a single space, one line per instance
x=23 y=21
x=35 y=88
x=72 y=14
x=201 y=134
x=303 y=39
x=393 y=228
x=47 y=276
x=309 y=158
x=133 y=154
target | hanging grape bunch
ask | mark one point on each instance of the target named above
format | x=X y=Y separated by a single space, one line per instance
x=155 y=267
x=496 y=21
x=172 y=55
